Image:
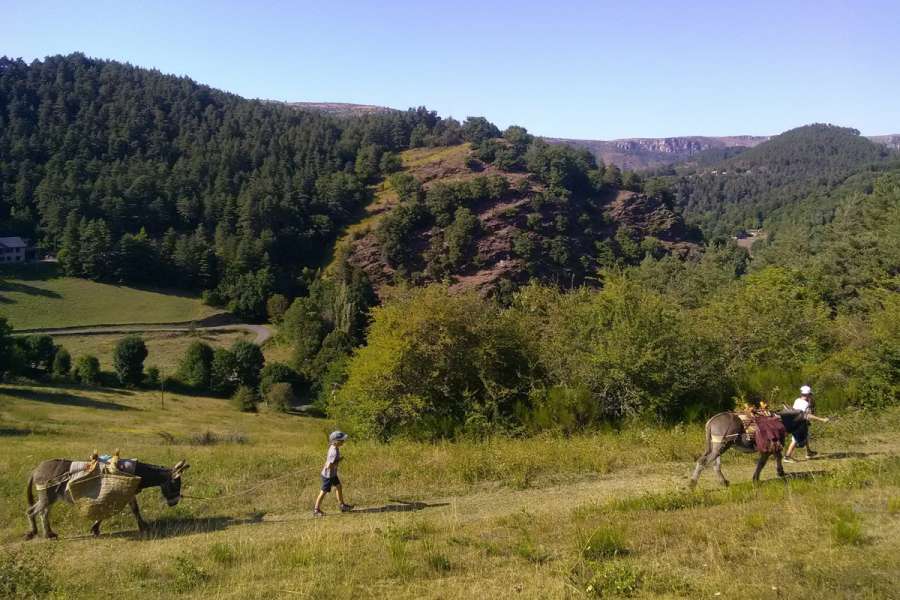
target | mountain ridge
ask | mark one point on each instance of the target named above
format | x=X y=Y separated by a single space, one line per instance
x=632 y=153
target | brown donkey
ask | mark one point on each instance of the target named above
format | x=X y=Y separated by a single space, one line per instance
x=726 y=430
x=51 y=477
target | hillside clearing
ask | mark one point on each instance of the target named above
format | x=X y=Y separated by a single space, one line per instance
x=545 y=517
x=36 y=296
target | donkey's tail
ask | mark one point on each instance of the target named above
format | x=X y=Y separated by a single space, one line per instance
x=29 y=493
x=708 y=431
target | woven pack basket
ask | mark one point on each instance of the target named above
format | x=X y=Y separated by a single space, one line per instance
x=98 y=495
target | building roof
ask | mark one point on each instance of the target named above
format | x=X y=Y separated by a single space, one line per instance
x=13 y=242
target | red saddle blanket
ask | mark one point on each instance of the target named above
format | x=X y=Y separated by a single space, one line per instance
x=770 y=434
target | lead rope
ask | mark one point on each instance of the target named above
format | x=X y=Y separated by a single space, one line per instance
x=242 y=493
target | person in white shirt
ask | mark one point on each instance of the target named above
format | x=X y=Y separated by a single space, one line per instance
x=330 y=474
x=805 y=405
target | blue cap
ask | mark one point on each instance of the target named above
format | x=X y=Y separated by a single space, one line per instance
x=337 y=436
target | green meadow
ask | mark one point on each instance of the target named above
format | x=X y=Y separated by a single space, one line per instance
x=603 y=514
x=37 y=296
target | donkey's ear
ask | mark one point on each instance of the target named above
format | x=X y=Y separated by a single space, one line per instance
x=179 y=468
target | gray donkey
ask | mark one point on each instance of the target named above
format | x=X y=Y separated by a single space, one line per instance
x=54 y=474
x=722 y=432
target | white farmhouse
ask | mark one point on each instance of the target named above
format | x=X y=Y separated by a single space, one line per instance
x=15 y=250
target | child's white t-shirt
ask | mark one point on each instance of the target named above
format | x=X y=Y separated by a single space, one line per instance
x=331 y=461
x=801 y=404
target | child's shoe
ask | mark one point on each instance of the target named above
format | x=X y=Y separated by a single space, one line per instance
x=318 y=513
x=346 y=507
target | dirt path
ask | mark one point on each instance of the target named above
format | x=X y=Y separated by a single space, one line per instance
x=261 y=332
x=654 y=478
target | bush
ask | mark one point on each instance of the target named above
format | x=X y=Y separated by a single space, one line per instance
x=87 y=370
x=38 y=351
x=128 y=360
x=223 y=373
x=276 y=306
x=274 y=373
x=628 y=348
x=62 y=363
x=152 y=379
x=11 y=359
x=245 y=399
x=248 y=362
x=435 y=361
x=195 y=368
x=281 y=397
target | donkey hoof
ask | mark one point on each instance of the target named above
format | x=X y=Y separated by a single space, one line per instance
x=725 y=483
x=29 y=536
x=52 y=536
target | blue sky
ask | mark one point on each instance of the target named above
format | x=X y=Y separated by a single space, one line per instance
x=569 y=69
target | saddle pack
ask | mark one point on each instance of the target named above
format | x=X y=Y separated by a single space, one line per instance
x=102 y=488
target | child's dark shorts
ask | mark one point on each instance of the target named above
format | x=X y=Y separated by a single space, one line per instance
x=329 y=482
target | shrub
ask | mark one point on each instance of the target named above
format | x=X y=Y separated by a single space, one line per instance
x=62 y=363
x=11 y=359
x=627 y=348
x=276 y=306
x=87 y=370
x=434 y=361
x=128 y=360
x=248 y=362
x=280 y=397
x=223 y=372
x=152 y=379
x=245 y=399
x=195 y=368
x=38 y=351
x=274 y=373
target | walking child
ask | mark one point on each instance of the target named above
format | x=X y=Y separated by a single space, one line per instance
x=330 y=474
x=804 y=406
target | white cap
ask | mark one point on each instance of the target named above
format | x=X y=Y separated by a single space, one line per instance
x=805 y=390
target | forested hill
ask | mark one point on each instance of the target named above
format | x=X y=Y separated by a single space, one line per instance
x=765 y=183
x=493 y=215
x=135 y=176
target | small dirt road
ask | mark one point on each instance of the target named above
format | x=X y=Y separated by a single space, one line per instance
x=262 y=333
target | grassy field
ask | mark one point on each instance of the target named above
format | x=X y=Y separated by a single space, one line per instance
x=598 y=515
x=164 y=349
x=33 y=296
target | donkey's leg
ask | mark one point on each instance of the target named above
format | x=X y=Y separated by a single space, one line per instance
x=33 y=522
x=718 y=467
x=39 y=509
x=779 y=467
x=48 y=530
x=763 y=458
x=95 y=529
x=712 y=451
x=698 y=468
x=136 y=510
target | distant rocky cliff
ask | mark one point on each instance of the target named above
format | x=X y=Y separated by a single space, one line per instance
x=646 y=153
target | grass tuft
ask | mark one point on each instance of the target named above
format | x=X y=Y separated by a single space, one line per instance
x=846 y=527
x=605 y=542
